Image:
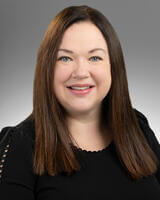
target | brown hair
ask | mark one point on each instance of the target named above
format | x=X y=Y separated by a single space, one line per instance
x=53 y=152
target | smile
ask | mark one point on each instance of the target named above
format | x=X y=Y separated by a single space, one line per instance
x=80 y=91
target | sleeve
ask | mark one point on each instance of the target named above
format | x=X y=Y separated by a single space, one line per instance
x=151 y=138
x=16 y=177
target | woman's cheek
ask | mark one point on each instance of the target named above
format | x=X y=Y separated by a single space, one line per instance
x=62 y=73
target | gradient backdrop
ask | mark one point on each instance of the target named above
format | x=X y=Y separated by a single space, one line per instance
x=23 y=24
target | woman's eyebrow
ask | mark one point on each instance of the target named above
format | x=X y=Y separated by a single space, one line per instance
x=91 y=51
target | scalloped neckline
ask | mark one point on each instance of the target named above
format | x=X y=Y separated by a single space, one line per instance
x=94 y=151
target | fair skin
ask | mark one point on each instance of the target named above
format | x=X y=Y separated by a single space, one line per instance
x=80 y=66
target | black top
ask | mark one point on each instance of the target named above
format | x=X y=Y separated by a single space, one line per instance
x=102 y=178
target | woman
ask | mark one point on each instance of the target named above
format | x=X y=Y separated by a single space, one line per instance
x=83 y=139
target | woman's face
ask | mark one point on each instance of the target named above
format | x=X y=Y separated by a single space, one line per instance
x=77 y=64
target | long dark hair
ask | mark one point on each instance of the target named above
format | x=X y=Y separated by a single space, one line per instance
x=52 y=151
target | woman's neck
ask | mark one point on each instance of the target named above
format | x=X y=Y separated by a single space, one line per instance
x=88 y=134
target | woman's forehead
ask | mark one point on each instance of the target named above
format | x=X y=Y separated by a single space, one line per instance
x=83 y=33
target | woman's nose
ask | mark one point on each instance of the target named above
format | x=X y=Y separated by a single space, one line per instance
x=81 y=70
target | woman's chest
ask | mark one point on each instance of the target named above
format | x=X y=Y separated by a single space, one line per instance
x=100 y=179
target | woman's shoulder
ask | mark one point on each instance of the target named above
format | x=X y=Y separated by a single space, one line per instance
x=144 y=124
x=150 y=136
x=148 y=132
x=16 y=152
x=141 y=117
x=24 y=129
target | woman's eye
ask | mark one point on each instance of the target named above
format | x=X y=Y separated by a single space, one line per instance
x=96 y=58
x=64 y=58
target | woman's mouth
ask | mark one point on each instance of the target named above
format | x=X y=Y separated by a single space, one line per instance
x=80 y=91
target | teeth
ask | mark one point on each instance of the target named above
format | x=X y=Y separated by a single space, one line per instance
x=80 y=88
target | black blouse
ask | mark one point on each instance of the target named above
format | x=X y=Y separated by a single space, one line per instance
x=103 y=176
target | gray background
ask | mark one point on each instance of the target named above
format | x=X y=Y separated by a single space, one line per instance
x=23 y=24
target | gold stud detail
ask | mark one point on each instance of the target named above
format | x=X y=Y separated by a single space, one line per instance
x=3 y=157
